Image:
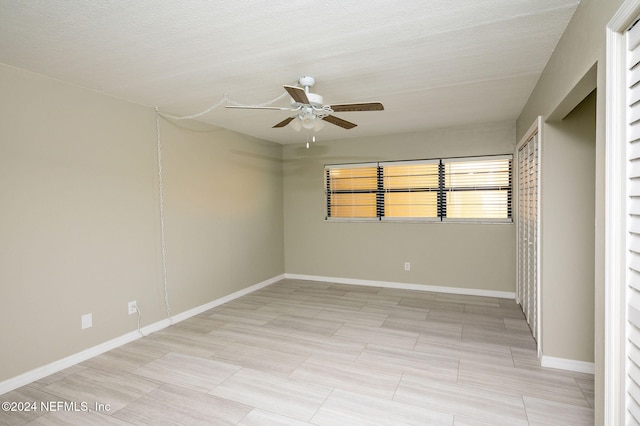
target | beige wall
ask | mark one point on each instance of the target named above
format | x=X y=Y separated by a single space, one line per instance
x=568 y=234
x=80 y=230
x=581 y=47
x=223 y=217
x=475 y=256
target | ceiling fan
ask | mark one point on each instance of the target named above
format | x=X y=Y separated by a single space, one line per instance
x=309 y=110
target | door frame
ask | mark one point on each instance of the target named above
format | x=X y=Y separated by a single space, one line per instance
x=615 y=215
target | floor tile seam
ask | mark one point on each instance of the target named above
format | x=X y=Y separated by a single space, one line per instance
x=560 y=398
x=210 y=392
x=427 y=377
x=526 y=412
x=398 y=328
x=310 y=420
x=556 y=402
x=118 y=418
x=510 y=392
x=253 y=408
x=359 y=370
x=494 y=393
x=114 y=370
x=517 y=372
x=240 y=421
x=111 y=413
x=162 y=383
x=543 y=397
x=392 y=400
x=564 y=377
x=302 y=382
x=395 y=391
x=207 y=393
x=456 y=409
x=373 y=349
x=40 y=385
x=413 y=347
x=513 y=358
x=587 y=398
x=288 y=376
x=516 y=379
x=54 y=397
x=362 y=351
x=287 y=318
x=190 y=374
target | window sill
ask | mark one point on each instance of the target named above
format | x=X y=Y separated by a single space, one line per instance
x=417 y=220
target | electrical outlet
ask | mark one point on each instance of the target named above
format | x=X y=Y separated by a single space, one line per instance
x=133 y=307
x=407 y=266
x=87 y=321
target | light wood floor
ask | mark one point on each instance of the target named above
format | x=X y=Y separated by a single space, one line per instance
x=299 y=353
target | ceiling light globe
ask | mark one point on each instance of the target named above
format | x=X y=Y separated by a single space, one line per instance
x=308 y=121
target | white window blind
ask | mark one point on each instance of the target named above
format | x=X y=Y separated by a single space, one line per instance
x=478 y=188
x=411 y=189
x=352 y=191
x=471 y=189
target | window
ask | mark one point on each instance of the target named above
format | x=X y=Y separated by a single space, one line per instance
x=478 y=189
x=457 y=189
x=352 y=191
x=411 y=189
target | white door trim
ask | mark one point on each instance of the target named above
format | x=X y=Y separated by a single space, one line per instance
x=615 y=229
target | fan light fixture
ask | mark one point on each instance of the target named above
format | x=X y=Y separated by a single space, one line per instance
x=309 y=119
x=309 y=110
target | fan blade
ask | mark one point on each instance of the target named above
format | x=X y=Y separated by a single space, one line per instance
x=339 y=122
x=283 y=122
x=258 y=107
x=297 y=93
x=362 y=106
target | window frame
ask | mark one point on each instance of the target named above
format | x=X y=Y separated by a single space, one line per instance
x=441 y=191
x=384 y=190
x=327 y=198
x=509 y=206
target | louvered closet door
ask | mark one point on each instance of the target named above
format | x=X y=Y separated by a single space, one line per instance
x=522 y=287
x=633 y=227
x=527 y=286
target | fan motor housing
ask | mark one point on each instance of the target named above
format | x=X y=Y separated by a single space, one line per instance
x=314 y=99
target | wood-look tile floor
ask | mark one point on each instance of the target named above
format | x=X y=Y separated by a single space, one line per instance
x=312 y=353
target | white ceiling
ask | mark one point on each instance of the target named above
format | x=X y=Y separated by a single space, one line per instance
x=432 y=63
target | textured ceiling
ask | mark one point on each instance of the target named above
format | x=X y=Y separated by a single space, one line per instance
x=432 y=63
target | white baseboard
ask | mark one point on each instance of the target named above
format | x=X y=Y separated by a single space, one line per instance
x=545 y=361
x=54 y=367
x=568 y=364
x=202 y=308
x=407 y=286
